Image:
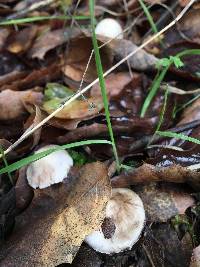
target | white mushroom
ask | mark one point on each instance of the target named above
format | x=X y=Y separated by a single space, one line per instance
x=49 y=170
x=122 y=227
x=109 y=28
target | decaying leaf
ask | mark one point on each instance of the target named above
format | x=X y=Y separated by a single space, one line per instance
x=76 y=109
x=191 y=113
x=11 y=102
x=163 y=247
x=149 y=173
x=49 y=40
x=55 y=224
x=163 y=202
x=115 y=83
x=21 y=41
x=77 y=58
x=35 y=78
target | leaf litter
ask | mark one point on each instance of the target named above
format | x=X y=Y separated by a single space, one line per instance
x=44 y=63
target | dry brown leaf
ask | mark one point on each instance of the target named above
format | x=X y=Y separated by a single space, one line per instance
x=148 y=173
x=191 y=113
x=195 y=260
x=115 y=83
x=35 y=78
x=77 y=58
x=162 y=203
x=53 y=227
x=50 y=40
x=12 y=102
x=78 y=108
x=21 y=41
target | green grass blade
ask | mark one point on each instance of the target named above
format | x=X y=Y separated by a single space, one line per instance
x=102 y=81
x=161 y=117
x=178 y=136
x=34 y=19
x=188 y=52
x=6 y=163
x=148 y=15
x=153 y=90
x=23 y=162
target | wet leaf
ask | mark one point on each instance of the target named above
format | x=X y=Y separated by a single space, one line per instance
x=58 y=219
x=164 y=247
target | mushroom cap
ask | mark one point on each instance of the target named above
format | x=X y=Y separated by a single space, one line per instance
x=109 y=28
x=49 y=170
x=126 y=210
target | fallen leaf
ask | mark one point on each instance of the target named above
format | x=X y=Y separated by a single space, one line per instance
x=77 y=57
x=191 y=113
x=161 y=203
x=11 y=102
x=21 y=41
x=163 y=247
x=36 y=78
x=58 y=219
x=51 y=39
x=76 y=109
x=115 y=83
x=149 y=173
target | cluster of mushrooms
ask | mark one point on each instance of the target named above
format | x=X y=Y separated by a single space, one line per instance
x=125 y=213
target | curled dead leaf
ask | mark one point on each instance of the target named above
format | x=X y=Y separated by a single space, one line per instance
x=148 y=173
x=12 y=102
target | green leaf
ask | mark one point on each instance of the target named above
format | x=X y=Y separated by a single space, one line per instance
x=56 y=90
x=78 y=157
x=163 y=62
x=177 y=61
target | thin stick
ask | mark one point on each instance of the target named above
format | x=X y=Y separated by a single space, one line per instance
x=27 y=134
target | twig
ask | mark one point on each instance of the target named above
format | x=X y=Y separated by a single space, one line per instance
x=27 y=134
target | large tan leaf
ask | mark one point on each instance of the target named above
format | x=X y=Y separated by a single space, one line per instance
x=52 y=229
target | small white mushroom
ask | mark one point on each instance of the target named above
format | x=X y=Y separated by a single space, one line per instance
x=49 y=170
x=109 y=28
x=122 y=227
